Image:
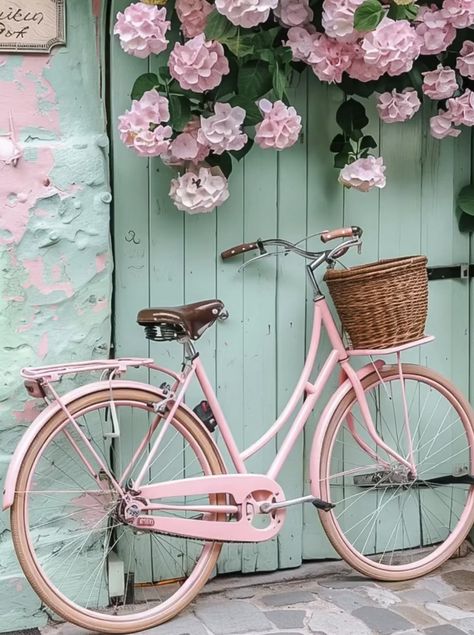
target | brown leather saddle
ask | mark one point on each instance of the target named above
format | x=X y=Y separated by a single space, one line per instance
x=180 y=322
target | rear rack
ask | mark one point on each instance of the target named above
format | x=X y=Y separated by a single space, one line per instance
x=57 y=371
x=392 y=350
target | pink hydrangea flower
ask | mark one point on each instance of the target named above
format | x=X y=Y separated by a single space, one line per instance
x=199 y=190
x=142 y=29
x=327 y=57
x=223 y=131
x=435 y=30
x=301 y=42
x=461 y=109
x=141 y=127
x=359 y=69
x=338 y=19
x=393 y=46
x=364 y=174
x=330 y=58
x=294 y=12
x=246 y=13
x=459 y=12
x=187 y=147
x=193 y=16
x=280 y=127
x=465 y=63
x=198 y=65
x=441 y=83
x=396 y=107
x=152 y=108
x=441 y=126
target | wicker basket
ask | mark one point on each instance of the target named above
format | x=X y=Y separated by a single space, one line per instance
x=381 y=304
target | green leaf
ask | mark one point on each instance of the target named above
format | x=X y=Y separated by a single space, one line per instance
x=266 y=38
x=284 y=54
x=254 y=116
x=280 y=82
x=368 y=16
x=341 y=160
x=145 y=82
x=219 y=27
x=368 y=142
x=466 y=200
x=465 y=209
x=351 y=116
x=239 y=154
x=180 y=112
x=255 y=79
x=240 y=46
x=356 y=135
x=337 y=143
x=223 y=161
x=403 y=11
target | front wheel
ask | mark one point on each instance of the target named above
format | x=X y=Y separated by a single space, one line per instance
x=388 y=523
x=81 y=558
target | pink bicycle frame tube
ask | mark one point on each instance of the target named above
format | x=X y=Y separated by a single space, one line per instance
x=298 y=392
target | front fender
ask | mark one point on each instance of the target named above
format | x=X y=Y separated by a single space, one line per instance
x=41 y=420
x=324 y=420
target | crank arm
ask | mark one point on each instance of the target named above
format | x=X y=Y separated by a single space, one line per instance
x=266 y=508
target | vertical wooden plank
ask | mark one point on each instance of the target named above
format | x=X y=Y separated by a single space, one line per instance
x=260 y=220
x=230 y=336
x=446 y=169
x=291 y=292
x=324 y=211
x=400 y=226
x=166 y=288
x=131 y=249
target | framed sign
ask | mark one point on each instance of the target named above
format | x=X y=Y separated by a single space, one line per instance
x=32 y=26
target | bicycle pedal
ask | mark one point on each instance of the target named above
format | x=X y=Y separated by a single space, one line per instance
x=324 y=505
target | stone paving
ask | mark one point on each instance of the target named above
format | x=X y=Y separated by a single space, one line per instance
x=327 y=599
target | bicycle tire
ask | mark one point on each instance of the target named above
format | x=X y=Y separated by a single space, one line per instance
x=192 y=434
x=431 y=521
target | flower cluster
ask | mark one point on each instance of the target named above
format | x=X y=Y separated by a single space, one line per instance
x=141 y=127
x=142 y=29
x=222 y=84
x=198 y=65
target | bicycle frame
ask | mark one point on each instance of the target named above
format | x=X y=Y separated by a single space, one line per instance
x=40 y=379
x=311 y=391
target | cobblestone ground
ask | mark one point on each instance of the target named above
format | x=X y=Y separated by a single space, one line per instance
x=327 y=599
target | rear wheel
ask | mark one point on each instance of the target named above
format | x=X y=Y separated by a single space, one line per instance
x=80 y=557
x=387 y=523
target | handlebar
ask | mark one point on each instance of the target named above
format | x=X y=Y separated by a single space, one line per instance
x=239 y=249
x=260 y=245
x=343 y=232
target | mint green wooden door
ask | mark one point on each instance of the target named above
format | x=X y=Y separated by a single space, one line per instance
x=163 y=257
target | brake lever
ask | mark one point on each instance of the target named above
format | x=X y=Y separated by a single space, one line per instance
x=343 y=248
x=248 y=262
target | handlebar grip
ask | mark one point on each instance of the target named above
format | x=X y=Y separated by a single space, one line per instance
x=238 y=250
x=343 y=232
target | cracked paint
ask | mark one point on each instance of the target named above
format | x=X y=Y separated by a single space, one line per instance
x=55 y=257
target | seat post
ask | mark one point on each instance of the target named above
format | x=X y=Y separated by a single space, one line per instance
x=190 y=352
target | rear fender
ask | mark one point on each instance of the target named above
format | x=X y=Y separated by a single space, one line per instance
x=42 y=419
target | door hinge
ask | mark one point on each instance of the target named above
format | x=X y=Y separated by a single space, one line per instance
x=449 y=272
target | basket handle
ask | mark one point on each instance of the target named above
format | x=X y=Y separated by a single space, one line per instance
x=343 y=232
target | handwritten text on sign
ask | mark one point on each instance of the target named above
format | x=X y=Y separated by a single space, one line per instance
x=33 y=26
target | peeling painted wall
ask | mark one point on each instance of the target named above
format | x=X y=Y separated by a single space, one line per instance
x=55 y=258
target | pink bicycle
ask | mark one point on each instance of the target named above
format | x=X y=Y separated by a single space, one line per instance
x=116 y=462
